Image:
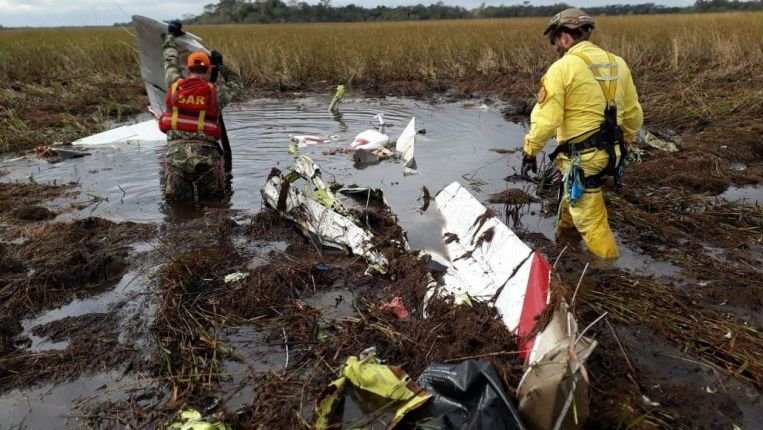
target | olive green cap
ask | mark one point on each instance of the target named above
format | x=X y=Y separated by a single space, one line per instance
x=571 y=18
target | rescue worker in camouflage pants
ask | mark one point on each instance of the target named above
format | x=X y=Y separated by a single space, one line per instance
x=588 y=101
x=194 y=161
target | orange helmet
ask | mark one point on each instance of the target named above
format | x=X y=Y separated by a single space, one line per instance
x=198 y=59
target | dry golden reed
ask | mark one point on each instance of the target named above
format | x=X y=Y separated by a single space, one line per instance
x=687 y=67
x=718 y=44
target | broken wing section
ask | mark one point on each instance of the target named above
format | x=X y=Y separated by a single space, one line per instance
x=144 y=132
x=485 y=254
x=490 y=263
x=149 y=32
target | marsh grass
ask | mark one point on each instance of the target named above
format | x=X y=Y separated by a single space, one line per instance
x=724 y=44
x=687 y=67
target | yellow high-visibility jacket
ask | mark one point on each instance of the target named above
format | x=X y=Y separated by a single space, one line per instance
x=571 y=102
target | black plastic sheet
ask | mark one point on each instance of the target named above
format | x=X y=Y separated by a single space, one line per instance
x=467 y=396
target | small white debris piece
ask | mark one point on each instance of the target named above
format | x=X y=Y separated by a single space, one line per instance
x=380 y=117
x=303 y=140
x=648 y=402
x=235 y=277
x=370 y=140
x=405 y=145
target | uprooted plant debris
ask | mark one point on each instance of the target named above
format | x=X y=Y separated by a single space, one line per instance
x=51 y=264
x=656 y=330
x=196 y=307
x=21 y=201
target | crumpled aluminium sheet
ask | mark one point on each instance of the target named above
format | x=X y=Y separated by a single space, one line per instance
x=317 y=212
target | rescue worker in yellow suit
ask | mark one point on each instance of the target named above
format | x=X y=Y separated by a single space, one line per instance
x=588 y=101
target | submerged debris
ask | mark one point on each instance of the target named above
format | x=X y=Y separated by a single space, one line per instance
x=56 y=155
x=503 y=151
x=512 y=196
x=426 y=198
x=32 y=213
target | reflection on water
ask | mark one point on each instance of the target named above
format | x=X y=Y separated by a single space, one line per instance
x=750 y=194
x=49 y=406
x=123 y=182
x=426 y=231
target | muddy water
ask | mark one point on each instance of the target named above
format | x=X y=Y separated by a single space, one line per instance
x=750 y=194
x=50 y=406
x=131 y=284
x=123 y=182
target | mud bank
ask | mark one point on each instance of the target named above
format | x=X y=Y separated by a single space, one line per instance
x=51 y=264
x=259 y=350
x=300 y=330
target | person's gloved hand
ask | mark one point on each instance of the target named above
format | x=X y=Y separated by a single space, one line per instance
x=529 y=163
x=175 y=28
x=216 y=58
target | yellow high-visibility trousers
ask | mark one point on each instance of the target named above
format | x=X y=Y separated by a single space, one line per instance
x=589 y=214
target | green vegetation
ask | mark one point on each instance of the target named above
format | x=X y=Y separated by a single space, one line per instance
x=277 y=11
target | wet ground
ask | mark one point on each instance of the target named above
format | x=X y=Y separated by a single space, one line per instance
x=122 y=183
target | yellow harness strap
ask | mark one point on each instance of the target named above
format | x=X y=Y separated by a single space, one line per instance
x=175 y=112
x=607 y=83
x=203 y=113
x=200 y=123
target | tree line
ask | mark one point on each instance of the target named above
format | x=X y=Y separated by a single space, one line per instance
x=277 y=11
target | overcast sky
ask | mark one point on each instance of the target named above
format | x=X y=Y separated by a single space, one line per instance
x=49 y=13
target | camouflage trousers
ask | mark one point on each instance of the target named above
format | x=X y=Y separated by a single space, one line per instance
x=194 y=171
